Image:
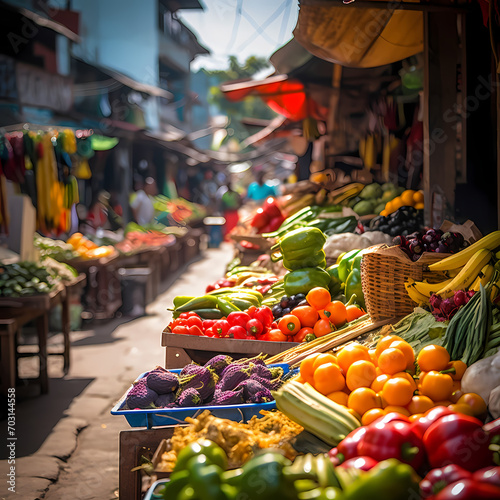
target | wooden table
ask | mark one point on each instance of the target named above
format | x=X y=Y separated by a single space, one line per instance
x=102 y=296
x=135 y=443
x=15 y=312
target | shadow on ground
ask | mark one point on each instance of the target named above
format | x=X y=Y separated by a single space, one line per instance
x=37 y=416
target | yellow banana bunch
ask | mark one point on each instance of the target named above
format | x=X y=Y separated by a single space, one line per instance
x=460 y=259
x=337 y=196
x=484 y=277
x=415 y=295
x=427 y=289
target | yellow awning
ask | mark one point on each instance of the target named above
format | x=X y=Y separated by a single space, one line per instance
x=359 y=37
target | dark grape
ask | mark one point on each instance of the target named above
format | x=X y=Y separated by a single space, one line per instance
x=285 y=311
x=284 y=301
x=300 y=297
x=277 y=311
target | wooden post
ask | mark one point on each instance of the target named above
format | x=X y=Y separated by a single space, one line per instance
x=440 y=114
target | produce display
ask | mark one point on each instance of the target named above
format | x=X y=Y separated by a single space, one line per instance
x=87 y=249
x=56 y=249
x=138 y=240
x=179 y=210
x=239 y=441
x=24 y=279
x=221 y=381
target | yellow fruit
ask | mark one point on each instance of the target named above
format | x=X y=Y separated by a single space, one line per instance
x=407 y=197
x=384 y=212
x=418 y=197
x=419 y=206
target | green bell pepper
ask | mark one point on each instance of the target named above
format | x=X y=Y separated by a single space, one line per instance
x=262 y=478
x=214 y=453
x=303 y=280
x=388 y=480
x=353 y=287
x=345 y=264
x=300 y=248
x=178 y=481
x=336 y=285
x=205 y=478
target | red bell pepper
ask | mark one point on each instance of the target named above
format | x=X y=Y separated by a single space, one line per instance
x=208 y=323
x=361 y=463
x=238 y=318
x=271 y=207
x=221 y=327
x=209 y=332
x=458 y=439
x=468 y=489
x=260 y=219
x=489 y=475
x=437 y=479
x=392 y=440
x=237 y=332
x=265 y=316
x=492 y=428
x=195 y=330
x=420 y=425
x=392 y=417
x=254 y=327
x=348 y=447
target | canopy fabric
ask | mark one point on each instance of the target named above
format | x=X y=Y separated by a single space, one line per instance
x=285 y=96
x=359 y=37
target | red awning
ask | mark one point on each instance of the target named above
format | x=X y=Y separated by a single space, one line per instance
x=286 y=96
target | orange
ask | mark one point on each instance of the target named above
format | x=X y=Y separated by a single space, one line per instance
x=460 y=368
x=397 y=409
x=415 y=416
x=372 y=415
x=420 y=404
x=339 y=397
x=419 y=206
x=384 y=343
x=353 y=312
x=371 y=352
x=475 y=401
x=408 y=377
x=407 y=350
x=350 y=354
x=335 y=312
x=391 y=361
x=437 y=386
x=433 y=357
x=307 y=315
x=418 y=197
x=360 y=374
x=328 y=378
x=363 y=399
x=397 y=392
x=324 y=357
x=407 y=197
x=456 y=395
x=318 y=297
x=307 y=367
x=379 y=382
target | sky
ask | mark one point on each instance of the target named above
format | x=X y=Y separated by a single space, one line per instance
x=240 y=27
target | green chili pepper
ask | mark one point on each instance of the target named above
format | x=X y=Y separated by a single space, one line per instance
x=388 y=480
x=353 y=287
x=180 y=300
x=303 y=280
x=203 y=302
x=345 y=264
x=300 y=248
x=226 y=307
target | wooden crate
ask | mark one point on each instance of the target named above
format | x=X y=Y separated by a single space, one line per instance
x=182 y=349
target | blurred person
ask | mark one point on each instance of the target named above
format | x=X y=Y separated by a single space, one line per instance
x=115 y=212
x=260 y=190
x=97 y=215
x=230 y=202
x=141 y=204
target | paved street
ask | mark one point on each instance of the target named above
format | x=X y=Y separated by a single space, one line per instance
x=67 y=445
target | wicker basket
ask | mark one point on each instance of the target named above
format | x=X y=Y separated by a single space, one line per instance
x=384 y=271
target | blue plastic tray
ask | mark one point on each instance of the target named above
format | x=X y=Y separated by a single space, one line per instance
x=171 y=416
x=150 y=494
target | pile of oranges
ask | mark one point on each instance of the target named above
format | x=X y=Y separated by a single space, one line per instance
x=374 y=382
x=320 y=317
x=408 y=198
x=87 y=249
